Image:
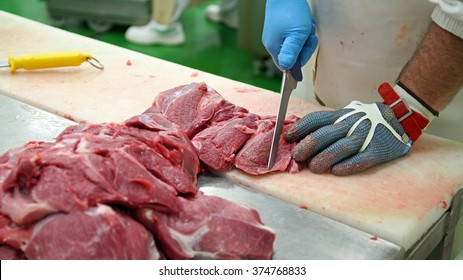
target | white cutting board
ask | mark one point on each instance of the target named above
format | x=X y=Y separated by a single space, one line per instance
x=398 y=201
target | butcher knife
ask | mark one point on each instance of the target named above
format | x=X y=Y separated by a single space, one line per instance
x=49 y=60
x=292 y=77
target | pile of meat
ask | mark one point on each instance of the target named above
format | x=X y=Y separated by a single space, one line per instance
x=226 y=135
x=129 y=190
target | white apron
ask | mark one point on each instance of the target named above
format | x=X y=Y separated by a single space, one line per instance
x=363 y=43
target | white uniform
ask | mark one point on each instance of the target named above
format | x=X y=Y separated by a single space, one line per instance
x=363 y=43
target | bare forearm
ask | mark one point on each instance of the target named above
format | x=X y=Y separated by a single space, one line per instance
x=435 y=72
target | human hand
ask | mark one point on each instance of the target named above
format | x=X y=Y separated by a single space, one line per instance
x=349 y=140
x=289 y=32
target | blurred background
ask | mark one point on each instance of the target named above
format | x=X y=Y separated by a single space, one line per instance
x=212 y=47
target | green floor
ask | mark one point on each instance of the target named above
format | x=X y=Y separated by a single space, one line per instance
x=209 y=47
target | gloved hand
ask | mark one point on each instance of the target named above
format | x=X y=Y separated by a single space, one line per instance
x=359 y=136
x=289 y=32
x=349 y=140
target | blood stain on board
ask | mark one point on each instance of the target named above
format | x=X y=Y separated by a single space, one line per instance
x=128 y=63
x=341 y=43
x=444 y=204
x=303 y=206
x=374 y=237
x=246 y=90
x=69 y=117
x=401 y=206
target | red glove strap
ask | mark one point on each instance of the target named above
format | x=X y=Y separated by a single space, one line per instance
x=412 y=122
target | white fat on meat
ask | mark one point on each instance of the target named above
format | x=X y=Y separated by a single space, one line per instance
x=187 y=242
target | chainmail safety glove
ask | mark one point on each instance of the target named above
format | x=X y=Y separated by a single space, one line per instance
x=357 y=137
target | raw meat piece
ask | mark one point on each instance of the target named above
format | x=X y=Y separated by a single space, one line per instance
x=148 y=133
x=17 y=202
x=60 y=180
x=51 y=193
x=209 y=227
x=168 y=143
x=169 y=149
x=99 y=164
x=228 y=111
x=152 y=119
x=153 y=110
x=9 y=159
x=212 y=123
x=8 y=253
x=218 y=144
x=97 y=233
x=190 y=106
x=253 y=157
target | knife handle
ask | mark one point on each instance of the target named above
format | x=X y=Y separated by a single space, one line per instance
x=47 y=60
x=296 y=71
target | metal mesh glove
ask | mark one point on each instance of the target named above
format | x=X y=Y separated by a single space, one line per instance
x=349 y=140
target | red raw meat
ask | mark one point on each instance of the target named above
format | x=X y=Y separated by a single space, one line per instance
x=98 y=233
x=221 y=131
x=253 y=157
x=209 y=227
x=218 y=144
x=92 y=164
x=65 y=200
x=190 y=106
x=8 y=253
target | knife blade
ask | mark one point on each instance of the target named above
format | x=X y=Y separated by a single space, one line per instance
x=292 y=77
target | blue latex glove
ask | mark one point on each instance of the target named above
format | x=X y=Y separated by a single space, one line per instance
x=289 y=32
x=349 y=140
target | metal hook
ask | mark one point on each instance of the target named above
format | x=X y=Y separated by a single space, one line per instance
x=97 y=65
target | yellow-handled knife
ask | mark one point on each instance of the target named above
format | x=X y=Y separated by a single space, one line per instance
x=292 y=77
x=50 y=60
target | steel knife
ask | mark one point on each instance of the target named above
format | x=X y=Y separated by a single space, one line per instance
x=291 y=78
